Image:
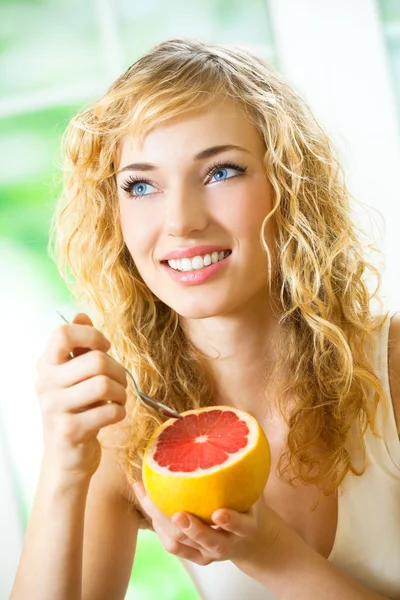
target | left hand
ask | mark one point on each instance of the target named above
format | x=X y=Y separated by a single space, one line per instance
x=241 y=537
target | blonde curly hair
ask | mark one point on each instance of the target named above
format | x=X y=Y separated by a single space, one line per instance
x=323 y=299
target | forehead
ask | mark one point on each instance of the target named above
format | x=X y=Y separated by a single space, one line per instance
x=221 y=122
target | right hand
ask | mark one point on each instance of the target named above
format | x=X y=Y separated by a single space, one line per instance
x=75 y=395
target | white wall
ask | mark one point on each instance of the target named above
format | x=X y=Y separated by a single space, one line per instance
x=333 y=52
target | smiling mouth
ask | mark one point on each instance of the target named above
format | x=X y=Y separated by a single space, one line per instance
x=197 y=263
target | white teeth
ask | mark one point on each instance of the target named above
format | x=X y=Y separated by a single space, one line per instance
x=186 y=264
x=198 y=262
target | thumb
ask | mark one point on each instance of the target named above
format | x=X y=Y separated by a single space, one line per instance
x=82 y=319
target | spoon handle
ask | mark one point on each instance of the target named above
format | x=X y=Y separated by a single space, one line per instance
x=146 y=400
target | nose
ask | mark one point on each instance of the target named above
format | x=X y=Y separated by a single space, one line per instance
x=185 y=212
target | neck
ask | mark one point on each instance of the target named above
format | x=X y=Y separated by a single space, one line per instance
x=242 y=351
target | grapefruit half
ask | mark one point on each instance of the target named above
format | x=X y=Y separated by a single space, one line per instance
x=211 y=458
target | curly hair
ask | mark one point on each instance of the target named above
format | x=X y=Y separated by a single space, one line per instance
x=322 y=296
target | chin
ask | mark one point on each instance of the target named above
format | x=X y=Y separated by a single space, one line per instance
x=203 y=307
x=196 y=314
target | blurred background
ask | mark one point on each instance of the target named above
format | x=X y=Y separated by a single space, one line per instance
x=343 y=56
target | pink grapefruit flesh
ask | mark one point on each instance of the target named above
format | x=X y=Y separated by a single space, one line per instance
x=213 y=457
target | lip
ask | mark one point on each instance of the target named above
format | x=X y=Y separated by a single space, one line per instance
x=194 y=251
x=197 y=276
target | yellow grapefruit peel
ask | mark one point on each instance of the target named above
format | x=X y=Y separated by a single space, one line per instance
x=236 y=485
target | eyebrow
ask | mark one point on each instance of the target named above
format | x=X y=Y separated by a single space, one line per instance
x=207 y=153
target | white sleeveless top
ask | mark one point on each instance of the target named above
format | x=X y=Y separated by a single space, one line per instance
x=367 y=541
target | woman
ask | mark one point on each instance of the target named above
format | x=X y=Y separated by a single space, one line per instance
x=204 y=151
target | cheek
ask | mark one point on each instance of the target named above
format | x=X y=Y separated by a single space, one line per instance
x=138 y=229
x=248 y=207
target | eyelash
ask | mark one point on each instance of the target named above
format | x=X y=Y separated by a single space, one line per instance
x=132 y=180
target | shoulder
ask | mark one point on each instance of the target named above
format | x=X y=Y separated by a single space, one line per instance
x=394 y=365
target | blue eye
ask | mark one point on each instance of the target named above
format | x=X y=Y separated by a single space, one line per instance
x=138 y=187
x=141 y=189
x=222 y=174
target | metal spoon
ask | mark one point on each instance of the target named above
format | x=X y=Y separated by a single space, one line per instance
x=146 y=400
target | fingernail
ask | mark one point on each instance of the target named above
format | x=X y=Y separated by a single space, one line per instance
x=223 y=519
x=183 y=522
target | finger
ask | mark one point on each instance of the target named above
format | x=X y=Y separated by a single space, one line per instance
x=147 y=505
x=180 y=549
x=81 y=319
x=241 y=524
x=161 y=522
x=80 y=428
x=67 y=338
x=92 y=363
x=215 y=542
x=83 y=395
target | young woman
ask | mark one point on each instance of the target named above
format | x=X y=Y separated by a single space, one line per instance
x=204 y=151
